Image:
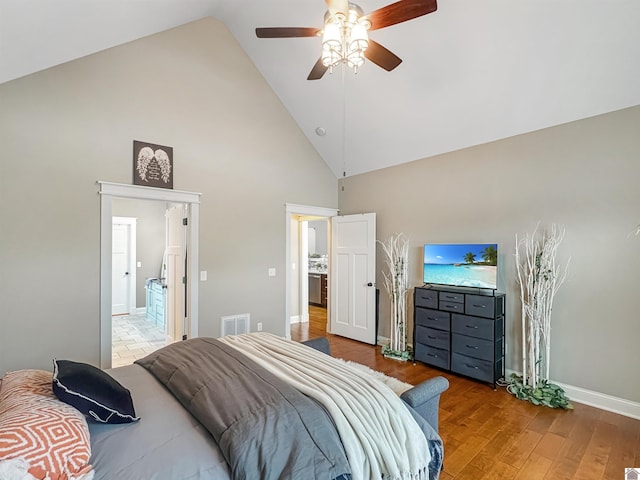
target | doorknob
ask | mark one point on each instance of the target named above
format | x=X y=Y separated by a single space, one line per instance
x=369 y=284
x=126 y=273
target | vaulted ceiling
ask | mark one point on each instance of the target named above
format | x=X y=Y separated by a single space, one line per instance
x=472 y=71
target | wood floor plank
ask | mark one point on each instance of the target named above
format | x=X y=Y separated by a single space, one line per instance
x=525 y=443
x=535 y=468
x=550 y=445
x=486 y=458
x=491 y=435
x=594 y=461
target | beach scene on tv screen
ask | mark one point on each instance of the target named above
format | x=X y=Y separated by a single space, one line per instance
x=467 y=265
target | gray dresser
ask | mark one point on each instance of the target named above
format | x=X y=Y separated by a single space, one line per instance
x=460 y=331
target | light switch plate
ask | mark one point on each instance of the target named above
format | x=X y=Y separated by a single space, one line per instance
x=272 y=272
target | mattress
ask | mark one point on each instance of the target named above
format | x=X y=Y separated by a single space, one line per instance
x=166 y=444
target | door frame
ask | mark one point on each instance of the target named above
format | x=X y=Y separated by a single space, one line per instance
x=293 y=210
x=109 y=190
x=131 y=222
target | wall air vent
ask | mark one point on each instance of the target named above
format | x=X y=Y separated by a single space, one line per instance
x=235 y=324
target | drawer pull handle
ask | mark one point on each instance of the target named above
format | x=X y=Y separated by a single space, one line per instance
x=472 y=346
x=472 y=326
x=432 y=355
x=431 y=337
x=475 y=367
x=480 y=306
x=449 y=296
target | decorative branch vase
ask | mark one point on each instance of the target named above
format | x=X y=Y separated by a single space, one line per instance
x=539 y=277
x=396 y=281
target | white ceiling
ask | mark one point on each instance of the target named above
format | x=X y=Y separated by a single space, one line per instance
x=472 y=71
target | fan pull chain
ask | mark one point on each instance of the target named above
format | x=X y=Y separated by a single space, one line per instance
x=344 y=125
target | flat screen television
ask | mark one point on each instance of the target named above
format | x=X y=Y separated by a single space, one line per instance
x=461 y=265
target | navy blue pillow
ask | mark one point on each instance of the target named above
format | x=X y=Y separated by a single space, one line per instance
x=92 y=391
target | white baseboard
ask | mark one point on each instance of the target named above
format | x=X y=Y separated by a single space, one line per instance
x=297 y=319
x=602 y=401
x=141 y=310
x=383 y=340
x=599 y=400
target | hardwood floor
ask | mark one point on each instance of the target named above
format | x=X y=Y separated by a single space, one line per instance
x=491 y=435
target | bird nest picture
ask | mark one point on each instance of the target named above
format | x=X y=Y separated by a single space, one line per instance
x=152 y=165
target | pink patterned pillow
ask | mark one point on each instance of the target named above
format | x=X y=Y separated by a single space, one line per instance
x=36 y=427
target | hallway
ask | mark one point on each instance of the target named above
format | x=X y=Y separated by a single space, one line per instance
x=315 y=327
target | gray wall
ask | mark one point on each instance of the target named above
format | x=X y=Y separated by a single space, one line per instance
x=583 y=175
x=63 y=129
x=150 y=238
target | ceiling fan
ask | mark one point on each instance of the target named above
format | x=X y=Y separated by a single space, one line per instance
x=344 y=35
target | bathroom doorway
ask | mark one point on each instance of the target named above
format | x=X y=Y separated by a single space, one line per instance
x=110 y=193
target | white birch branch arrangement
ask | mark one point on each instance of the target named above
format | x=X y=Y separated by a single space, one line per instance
x=539 y=277
x=396 y=282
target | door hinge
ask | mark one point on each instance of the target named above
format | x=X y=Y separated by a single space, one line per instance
x=184 y=280
x=185 y=221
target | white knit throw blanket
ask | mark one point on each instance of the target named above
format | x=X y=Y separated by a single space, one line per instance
x=381 y=438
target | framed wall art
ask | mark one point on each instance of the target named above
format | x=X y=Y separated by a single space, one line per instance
x=152 y=165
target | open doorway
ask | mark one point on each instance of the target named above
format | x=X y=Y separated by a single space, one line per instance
x=308 y=295
x=148 y=266
x=317 y=258
x=185 y=267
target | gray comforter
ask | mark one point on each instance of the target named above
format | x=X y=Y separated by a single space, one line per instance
x=264 y=418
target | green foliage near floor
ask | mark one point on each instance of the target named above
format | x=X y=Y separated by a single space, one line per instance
x=545 y=393
x=388 y=352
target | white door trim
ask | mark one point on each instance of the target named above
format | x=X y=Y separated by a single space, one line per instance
x=108 y=191
x=305 y=210
x=132 y=223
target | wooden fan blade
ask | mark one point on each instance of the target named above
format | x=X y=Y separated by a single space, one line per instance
x=338 y=6
x=381 y=56
x=286 y=32
x=317 y=71
x=400 y=12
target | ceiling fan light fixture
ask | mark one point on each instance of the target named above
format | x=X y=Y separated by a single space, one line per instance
x=345 y=39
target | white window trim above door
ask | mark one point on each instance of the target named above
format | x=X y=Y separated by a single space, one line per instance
x=107 y=192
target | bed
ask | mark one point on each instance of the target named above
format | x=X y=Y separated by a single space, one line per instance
x=256 y=406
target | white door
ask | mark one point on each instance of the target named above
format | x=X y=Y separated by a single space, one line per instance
x=353 y=271
x=120 y=268
x=174 y=254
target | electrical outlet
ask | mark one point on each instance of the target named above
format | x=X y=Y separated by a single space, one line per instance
x=259 y=326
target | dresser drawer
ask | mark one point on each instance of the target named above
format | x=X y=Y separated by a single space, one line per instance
x=433 y=319
x=472 y=367
x=451 y=297
x=432 y=337
x=452 y=306
x=480 y=305
x=473 y=347
x=433 y=356
x=425 y=298
x=473 y=326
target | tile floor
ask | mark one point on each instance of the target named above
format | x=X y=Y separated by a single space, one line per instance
x=134 y=337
